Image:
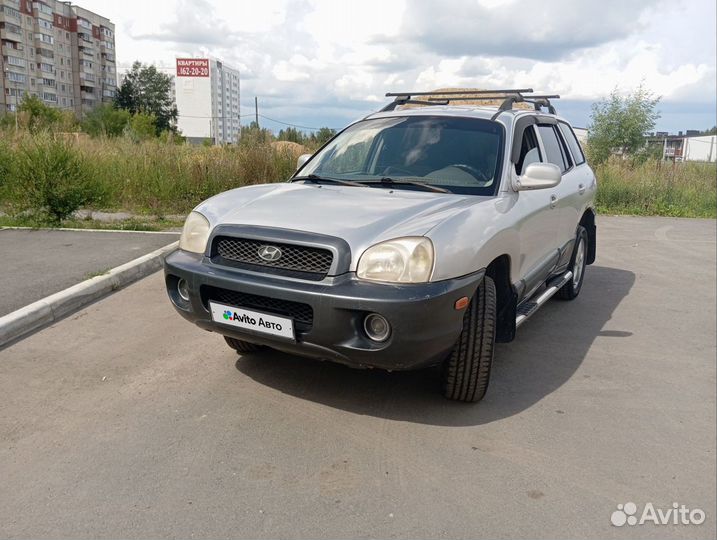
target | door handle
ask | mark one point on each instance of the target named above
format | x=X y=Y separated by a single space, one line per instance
x=553 y=201
x=581 y=189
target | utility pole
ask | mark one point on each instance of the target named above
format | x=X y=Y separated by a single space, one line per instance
x=256 y=110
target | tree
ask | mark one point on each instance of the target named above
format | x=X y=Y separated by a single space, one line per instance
x=106 y=120
x=291 y=134
x=253 y=134
x=323 y=135
x=146 y=90
x=619 y=124
x=38 y=116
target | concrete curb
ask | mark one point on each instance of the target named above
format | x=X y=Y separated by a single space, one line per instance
x=56 y=306
x=61 y=229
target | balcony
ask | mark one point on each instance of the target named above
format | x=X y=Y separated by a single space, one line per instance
x=43 y=14
x=9 y=18
x=88 y=78
x=12 y=51
x=11 y=33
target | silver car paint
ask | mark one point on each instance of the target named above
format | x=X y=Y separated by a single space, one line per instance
x=468 y=232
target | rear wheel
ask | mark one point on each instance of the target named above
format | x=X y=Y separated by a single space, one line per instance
x=571 y=289
x=467 y=370
x=243 y=346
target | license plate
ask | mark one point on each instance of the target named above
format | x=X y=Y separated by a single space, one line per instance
x=252 y=320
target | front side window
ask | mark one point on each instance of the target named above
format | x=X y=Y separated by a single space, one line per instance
x=529 y=151
x=553 y=151
x=461 y=155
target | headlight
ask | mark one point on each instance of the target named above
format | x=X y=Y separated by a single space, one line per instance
x=403 y=260
x=195 y=233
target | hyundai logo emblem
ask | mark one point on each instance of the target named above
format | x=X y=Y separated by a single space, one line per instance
x=269 y=253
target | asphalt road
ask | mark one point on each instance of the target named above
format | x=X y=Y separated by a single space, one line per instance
x=37 y=263
x=126 y=421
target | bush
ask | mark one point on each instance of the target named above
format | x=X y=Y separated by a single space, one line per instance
x=36 y=116
x=142 y=126
x=106 y=120
x=50 y=180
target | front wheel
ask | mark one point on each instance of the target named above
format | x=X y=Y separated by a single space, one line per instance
x=467 y=370
x=571 y=289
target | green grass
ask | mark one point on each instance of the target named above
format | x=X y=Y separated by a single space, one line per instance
x=153 y=179
x=90 y=275
x=133 y=224
x=657 y=188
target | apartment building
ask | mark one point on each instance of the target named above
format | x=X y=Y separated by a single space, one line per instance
x=207 y=96
x=57 y=51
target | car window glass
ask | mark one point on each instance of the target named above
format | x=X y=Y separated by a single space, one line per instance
x=462 y=155
x=529 y=151
x=572 y=140
x=552 y=147
x=564 y=149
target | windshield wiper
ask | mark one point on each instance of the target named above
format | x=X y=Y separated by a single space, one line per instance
x=388 y=181
x=315 y=178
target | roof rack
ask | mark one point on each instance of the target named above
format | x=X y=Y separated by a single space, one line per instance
x=509 y=97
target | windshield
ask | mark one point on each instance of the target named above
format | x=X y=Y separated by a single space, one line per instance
x=461 y=155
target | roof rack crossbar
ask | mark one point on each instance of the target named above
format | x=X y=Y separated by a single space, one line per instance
x=509 y=96
x=461 y=93
x=397 y=102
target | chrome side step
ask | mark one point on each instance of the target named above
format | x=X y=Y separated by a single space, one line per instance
x=526 y=309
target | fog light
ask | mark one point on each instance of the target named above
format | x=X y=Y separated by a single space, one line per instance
x=376 y=327
x=183 y=290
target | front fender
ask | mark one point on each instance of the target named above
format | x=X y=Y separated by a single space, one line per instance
x=474 y=237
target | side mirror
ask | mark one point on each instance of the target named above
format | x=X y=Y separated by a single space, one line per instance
x=538 y=176
x=303 y=158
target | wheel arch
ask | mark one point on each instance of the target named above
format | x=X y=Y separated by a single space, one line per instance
x=588 y=221
x=506 y=297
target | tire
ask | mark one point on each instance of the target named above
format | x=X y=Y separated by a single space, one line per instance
x=466 y=371
x=571 y=289
x=243 y=346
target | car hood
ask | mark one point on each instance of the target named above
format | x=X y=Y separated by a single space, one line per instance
x=361 y=216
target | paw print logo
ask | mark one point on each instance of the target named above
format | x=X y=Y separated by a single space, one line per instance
x=625 y=513
x=227 y=315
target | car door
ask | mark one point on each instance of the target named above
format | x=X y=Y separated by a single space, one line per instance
x=575 y=189
x=538 y=220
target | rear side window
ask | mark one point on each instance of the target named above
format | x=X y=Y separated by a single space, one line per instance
x=573 y=144
x=553 y=147
x=529 y=151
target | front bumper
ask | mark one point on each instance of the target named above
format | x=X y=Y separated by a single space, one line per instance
x=425 y=324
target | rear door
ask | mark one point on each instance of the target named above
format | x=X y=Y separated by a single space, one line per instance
x=574 y=191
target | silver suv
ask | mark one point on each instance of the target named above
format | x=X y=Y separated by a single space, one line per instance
x=419 y=235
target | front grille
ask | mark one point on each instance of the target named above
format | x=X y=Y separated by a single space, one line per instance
x=295 y=261
x=302 y=314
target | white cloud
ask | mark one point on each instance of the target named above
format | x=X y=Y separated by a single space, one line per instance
x=331 y=61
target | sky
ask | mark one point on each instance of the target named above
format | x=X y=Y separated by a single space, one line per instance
x=317 y=63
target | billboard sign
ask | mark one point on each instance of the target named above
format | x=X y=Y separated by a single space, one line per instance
x=192 y=67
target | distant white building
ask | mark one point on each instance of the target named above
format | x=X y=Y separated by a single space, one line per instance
x=703 y=148
x=581 y=134
x=207 y=96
